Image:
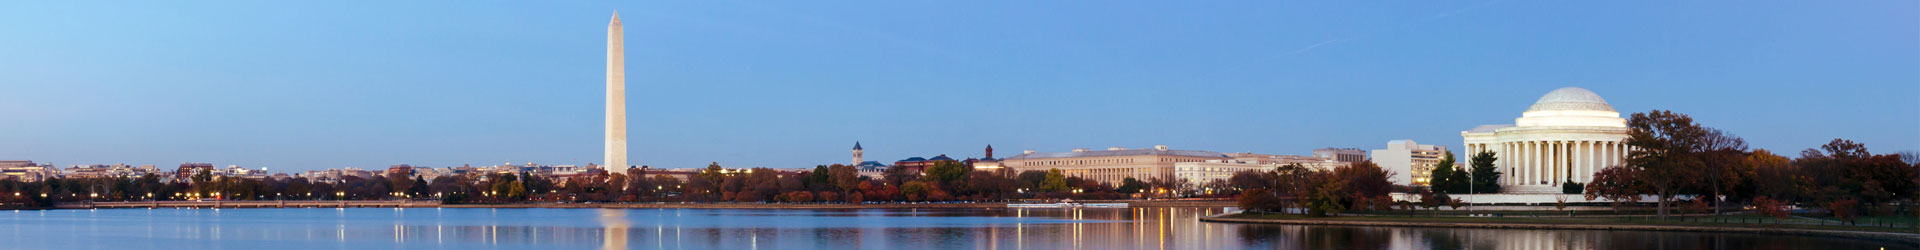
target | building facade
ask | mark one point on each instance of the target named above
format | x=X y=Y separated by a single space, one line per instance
x=1347 y=155
x=1412 y=162
x=1567 y=135
x=1111 y=165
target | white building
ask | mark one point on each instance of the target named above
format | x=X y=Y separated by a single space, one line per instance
x=1347 y=155
x=1110 y=166
x=1569 y=134
x=1198 y=173
x=1411 y=162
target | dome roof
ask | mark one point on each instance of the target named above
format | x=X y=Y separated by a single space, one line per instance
x=1571 y=98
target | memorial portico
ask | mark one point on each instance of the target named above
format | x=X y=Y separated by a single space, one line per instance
x=1568 y=135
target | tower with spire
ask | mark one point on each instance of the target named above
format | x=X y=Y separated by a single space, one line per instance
x=857 y=156
x=989 y=151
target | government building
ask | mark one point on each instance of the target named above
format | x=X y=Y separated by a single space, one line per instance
x=1111 y=165
x=1567 y=135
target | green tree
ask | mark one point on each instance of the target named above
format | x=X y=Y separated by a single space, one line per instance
x=946 y=173
x=1056 y=181
x=1130 y=185
x=713 y=173
x=915 y=190
x=1445 y=179
x=1486 y=178
x=516 y=190
x=819 y=178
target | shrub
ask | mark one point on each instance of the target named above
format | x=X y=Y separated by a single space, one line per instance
x=1845 y=209
x=1571 y=187
x=1770 y=207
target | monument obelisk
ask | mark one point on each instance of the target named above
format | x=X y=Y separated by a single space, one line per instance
x=616 y=98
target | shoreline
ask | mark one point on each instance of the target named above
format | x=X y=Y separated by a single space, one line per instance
x=1130 y=204
x=435 y=204
x=1908 y=238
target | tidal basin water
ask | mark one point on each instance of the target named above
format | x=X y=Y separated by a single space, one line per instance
x=998 y=228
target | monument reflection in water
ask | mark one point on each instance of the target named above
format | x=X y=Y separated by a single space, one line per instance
x=481 y=228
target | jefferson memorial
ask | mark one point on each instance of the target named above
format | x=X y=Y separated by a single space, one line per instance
x=1568 y=135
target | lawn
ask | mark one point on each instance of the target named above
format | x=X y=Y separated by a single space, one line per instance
x=1877 y=224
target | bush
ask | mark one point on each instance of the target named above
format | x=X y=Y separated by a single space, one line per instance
x=1571 y=187
x=1770 y=207
x=1845 y=209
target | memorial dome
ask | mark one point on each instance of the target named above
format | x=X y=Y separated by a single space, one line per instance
x=1571 y=98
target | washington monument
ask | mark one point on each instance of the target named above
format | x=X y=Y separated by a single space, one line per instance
x=616 y=98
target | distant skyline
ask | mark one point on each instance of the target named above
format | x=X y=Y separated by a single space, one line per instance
x=304 y=86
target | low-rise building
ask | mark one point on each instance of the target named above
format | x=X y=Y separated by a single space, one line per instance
x=26 y=171
x=1347 y=155
x=1412 y=161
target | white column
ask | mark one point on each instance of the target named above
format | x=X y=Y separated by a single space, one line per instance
x=1560 y=162
x=1506 y=162
x=1586 y=161
x=1521 y=162
x=1534 y=155
x=1527 y=165
x=1592 y=160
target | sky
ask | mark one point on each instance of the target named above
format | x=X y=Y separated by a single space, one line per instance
x=295 y=85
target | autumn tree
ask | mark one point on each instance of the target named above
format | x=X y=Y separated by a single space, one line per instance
x=1364 y=179
x=846 y=178
x=1666 y=153
x=1723 y=155
x=1620 y=185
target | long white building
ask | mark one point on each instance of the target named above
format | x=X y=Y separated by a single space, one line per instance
x=1569 y=134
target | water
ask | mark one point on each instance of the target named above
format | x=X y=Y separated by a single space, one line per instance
x=484 y=228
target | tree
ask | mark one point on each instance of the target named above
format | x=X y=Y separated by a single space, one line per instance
x=1666 y=153
x=419 y=187
x=898 y=175
x=1440 y=179
x=1365 y=179
x=846 y=178
x=1620 y=185
x=1486 y=178
x=1056 y=181
x=1723 y=154
x=1260 y=200
x=516 y=190
x=1130 y=186
x=713 y=173
x=1775 y=176
x=915 y=190
x=1253 y=179
x=818 y=179
x=948 y=173
x=988 y=185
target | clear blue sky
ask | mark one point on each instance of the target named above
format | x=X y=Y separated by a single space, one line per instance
x=298 y=86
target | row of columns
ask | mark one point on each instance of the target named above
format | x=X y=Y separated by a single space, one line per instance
x=1550 y=163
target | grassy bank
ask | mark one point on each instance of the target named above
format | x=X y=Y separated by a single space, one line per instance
x=1692 y=223
x=1130 y=203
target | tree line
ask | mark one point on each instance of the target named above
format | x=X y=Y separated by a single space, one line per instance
x=1673 y=156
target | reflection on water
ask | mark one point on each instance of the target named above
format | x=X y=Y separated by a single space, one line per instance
x=1133 y=228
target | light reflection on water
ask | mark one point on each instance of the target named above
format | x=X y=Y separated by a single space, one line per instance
x=482 y=228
